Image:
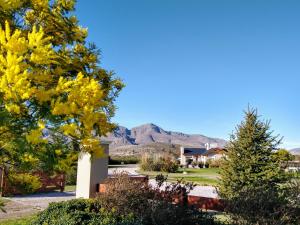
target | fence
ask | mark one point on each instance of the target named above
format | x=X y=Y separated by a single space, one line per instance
x=48 y=183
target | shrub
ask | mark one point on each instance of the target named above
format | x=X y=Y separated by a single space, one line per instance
x=160 y=163
x=2 y=205
x=71 y=176
x=118 y=160
x=266 y=205
x=24 y=183
x=214 y=163
x=194 y=164
x=125 y=196
x=80 y=212
x=152 y=205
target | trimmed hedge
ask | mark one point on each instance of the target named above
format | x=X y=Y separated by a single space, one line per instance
x=118 y=160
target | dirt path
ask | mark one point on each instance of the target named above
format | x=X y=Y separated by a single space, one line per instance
x=21 y=206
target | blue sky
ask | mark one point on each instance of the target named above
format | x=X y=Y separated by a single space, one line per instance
x=195 y=65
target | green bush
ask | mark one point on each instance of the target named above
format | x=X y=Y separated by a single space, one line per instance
x=266 y=205
x=25 y=183
x=2 y=205
x=118 y=160
x=214 y=163
x=80 y=212
x=160 y=163
x=71 y=176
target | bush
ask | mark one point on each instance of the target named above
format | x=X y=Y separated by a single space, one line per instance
x=152 y=205
x=118 y=160
x=266 y=205
x=159 y=163
x=125 y=196
x=194 y=164
x=80 y=212
x=214 y=163
x=71 y=176
x=24 y=183
x=2 y=205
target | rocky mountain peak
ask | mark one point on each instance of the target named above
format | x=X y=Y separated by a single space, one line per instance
x=151 y=133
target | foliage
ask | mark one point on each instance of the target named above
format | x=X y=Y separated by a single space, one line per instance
x=71 y=176
x=252 y=180
x=80 y=212
x=125 y=196
x=2 y=205
x=267 y=205
x=118 y=160
x=25 y=183
x=51 y=86
x=214 y=163
x=283 y=157
x=249 y=161
x=194 y=164
x=151 y=205
x=161 y=163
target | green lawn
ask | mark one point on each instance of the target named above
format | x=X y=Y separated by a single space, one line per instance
x=207 y=176
x=20 y=221
x=70 y=188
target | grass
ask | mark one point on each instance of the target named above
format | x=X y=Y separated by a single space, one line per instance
x=70 y=188
x=207 y=176
x=19 y=221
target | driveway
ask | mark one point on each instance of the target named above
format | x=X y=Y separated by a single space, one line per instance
x=20 y=206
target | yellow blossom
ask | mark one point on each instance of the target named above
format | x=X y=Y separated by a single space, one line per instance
x=13 y=108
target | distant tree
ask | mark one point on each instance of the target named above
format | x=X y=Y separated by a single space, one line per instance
x=283 y=156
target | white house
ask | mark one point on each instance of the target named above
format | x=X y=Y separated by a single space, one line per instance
x=200 y=155
x=191 y=154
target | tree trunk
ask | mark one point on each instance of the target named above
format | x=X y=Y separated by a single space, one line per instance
x=1 y=181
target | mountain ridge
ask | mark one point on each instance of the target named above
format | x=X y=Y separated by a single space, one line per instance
x=295 y=151
x=148 y=134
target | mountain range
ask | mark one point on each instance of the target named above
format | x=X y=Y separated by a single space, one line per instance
x=150 y=138
x=295 y=151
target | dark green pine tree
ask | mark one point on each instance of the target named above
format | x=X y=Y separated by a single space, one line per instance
x=249 y=162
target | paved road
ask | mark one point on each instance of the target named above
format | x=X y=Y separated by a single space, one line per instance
x=204 y=191
x=21 y=206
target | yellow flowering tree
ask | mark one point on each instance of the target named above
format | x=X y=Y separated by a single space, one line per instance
x=51 y=84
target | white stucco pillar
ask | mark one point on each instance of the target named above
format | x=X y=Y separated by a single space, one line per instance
x=90 y=172
x=182 y=157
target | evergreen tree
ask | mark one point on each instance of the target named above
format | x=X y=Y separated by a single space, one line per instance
x=249 y=160
x=256 y=189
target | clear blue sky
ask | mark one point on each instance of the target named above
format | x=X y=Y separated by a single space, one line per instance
x=195 y=65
